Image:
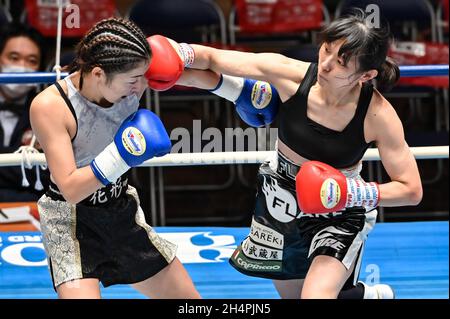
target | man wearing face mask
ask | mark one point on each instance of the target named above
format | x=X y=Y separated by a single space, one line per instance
x=20 y=51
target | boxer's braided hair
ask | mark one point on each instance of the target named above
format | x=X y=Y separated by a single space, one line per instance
x=115 y=45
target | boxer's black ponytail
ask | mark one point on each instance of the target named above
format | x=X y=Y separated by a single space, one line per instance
x=368 y=42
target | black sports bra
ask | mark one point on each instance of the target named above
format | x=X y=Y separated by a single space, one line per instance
x=316 y=142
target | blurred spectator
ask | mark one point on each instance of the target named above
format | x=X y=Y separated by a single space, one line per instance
x=20 y=51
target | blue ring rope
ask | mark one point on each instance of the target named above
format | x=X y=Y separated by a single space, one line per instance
x=50 y=77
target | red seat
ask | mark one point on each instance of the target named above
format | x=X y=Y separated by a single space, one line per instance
x=78 y=17
x=279 y=16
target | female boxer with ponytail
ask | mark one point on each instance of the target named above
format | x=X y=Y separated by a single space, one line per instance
x=313 y=210
x=92 y=133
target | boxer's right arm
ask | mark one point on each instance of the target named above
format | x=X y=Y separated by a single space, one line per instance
x=282 y=72
x=50 y=120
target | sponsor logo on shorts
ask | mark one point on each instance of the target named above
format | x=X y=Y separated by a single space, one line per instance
x=330 y=193
x=241 y=261
x=133 y=141
x=255 y=251
x=280 y=203
x=284 y=168
x=261 y=94
x=321 y=216
x=328 y=237
x=113 y=190
x=264 y=235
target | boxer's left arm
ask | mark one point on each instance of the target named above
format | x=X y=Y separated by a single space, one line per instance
x=256 y=102
x=405 y=187
x=322 y=188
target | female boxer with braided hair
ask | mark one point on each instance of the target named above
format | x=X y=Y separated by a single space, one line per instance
x=92 y=132
x=312 y=218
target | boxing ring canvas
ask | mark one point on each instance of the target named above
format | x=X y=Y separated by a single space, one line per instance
x=412 y=257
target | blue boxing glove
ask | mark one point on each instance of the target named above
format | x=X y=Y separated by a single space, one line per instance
x=256 y=102
x=140 y=137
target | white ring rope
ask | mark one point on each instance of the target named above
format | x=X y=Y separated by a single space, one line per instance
x=224 y=158
x=26 y=155
x=57 y=67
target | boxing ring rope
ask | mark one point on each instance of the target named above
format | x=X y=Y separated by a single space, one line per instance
x=424 y=70
x=225 y=158
x=57 y=66
x=30 y=77
x=50 y=77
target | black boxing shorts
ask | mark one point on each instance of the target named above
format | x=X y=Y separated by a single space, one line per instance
x=108 y=240
x=283 y=240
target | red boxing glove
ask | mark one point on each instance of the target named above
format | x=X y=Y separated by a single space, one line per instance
x=166 y=65
x=323 y=189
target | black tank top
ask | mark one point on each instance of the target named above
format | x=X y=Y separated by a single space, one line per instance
x=316 y=142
